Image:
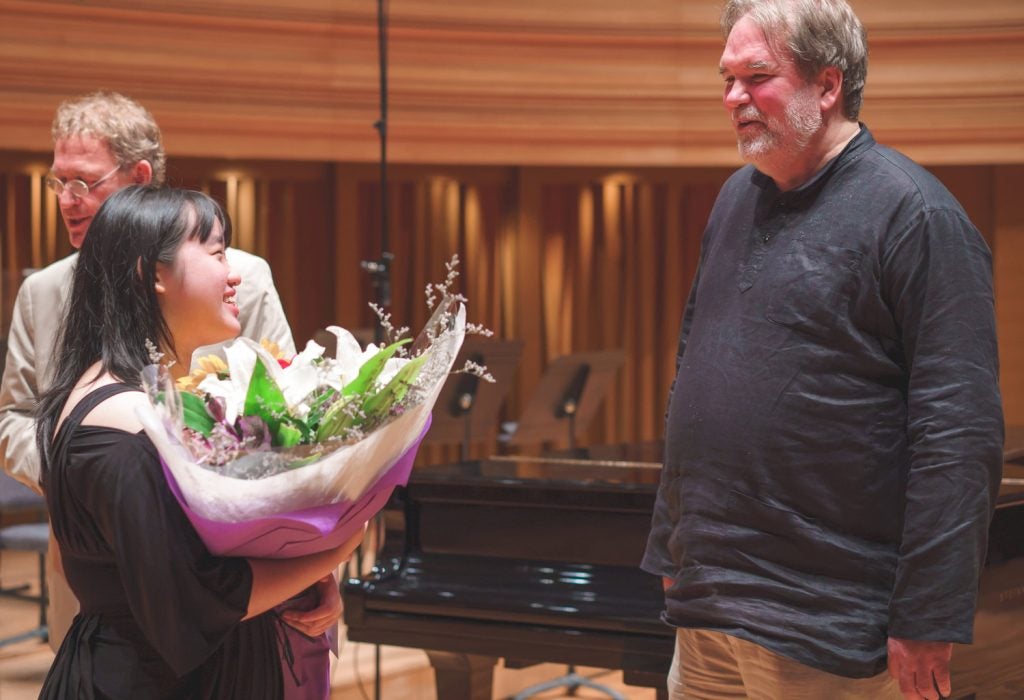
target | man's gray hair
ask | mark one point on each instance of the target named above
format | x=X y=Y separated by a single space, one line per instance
x=817 y=33
x=126 y=126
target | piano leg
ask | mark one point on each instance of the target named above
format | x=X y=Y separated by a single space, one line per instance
x=658 y=681
x=462 y=676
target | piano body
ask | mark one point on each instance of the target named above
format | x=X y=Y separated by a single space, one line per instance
x=536 y=560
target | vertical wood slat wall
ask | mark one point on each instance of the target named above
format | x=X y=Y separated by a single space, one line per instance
x=566 y=259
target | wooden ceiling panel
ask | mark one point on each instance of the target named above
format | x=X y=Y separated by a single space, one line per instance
x=586 y=82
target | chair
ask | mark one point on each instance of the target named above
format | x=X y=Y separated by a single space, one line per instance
x=24 y=537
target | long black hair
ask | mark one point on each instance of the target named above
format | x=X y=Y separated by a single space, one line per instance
x=112 y=311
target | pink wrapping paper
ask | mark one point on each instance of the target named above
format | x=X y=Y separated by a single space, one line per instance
x=300 y=532
x=292 y=535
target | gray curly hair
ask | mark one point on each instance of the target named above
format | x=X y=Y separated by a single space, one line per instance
x=127 y=127
x=818 y=33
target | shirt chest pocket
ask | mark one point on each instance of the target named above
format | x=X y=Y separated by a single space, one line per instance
x=812 y=284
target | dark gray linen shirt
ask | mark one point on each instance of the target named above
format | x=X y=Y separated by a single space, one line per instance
x=834 y=434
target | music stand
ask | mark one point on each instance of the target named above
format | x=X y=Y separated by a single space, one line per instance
x=570 y=392
x=467 y=408
x=567 y=398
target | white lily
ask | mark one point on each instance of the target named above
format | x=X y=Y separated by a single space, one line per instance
x=296 y=382
x=300 y=378
x=241 y=358
x=348 y=358
x=391 y=368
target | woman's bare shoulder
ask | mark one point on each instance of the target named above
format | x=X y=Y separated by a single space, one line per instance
x=117 y=411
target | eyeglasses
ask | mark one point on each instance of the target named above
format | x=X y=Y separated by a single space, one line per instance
x=76 y=188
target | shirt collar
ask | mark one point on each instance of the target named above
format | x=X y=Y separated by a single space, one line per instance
x=853 y=150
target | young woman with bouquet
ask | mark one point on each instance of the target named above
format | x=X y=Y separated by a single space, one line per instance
x=161 y=617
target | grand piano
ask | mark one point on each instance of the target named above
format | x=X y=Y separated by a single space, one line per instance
x=535 y=560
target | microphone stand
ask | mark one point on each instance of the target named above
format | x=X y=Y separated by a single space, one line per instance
x=572 y=680
x=380 y=269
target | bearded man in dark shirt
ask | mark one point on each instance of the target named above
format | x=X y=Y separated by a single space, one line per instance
x=834 y=434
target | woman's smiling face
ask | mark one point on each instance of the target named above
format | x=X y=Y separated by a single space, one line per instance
x=197 y=294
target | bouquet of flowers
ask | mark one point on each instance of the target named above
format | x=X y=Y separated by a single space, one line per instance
x=271 y=457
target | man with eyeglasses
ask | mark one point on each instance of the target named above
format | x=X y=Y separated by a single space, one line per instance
x=78 y=191
x=102 y=143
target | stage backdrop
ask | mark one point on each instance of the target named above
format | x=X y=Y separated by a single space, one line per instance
x=569 y=151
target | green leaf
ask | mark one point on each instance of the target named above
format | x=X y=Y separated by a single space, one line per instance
x=287 y=435
x=377 y=406
x=195 y=414
x=371 y=369
x=265 y=399
x=316 y=407
x=336 y=420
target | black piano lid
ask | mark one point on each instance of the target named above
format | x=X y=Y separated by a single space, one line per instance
x=1011 y=490
x=620 y=466
x=639 y=464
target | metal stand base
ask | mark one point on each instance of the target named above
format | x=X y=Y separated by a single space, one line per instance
x=20 y=592
x=572 y=681
x=41 y=632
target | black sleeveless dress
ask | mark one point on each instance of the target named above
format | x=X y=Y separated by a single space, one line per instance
x=160 y=616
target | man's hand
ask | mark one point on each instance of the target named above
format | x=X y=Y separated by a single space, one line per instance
x=921 y=668
x=666 y=582
x=315 y=622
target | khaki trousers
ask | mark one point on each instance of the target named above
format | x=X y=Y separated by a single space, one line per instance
x=712 y=665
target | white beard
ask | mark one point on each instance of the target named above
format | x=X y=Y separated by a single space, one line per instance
x=801 y=121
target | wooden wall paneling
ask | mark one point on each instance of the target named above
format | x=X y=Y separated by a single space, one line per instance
x=584 y=264
x=1009 y=286
x=526 y=322
x=367 y=234
x=952 y=98
x=629 y=388
x=296 y=225
x=350 y=290
x=506 y=83
x=264 y=213
x=8 y=255
x=477 y=223
x=435 y=212
x=556 y=310
x=651 y=248
x=974 y=188
x=620 y=304
x=500 y=205
x=57 y=242
x=609 y=291
x=32 y=233
x=626 y=246
x=231 y=83
x=284 y=213
x=672 y=287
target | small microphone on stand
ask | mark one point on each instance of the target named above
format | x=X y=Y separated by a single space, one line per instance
x=380 y=275
x=571 y=401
